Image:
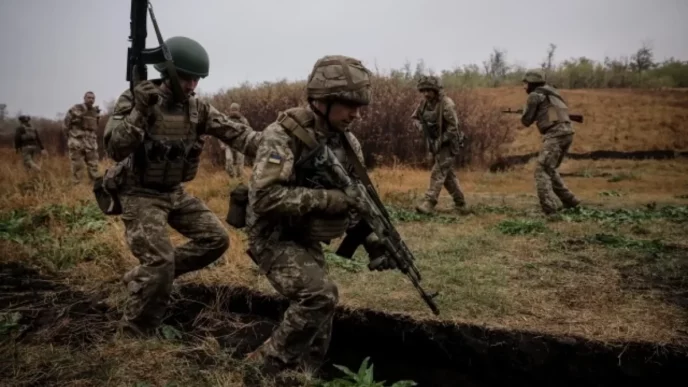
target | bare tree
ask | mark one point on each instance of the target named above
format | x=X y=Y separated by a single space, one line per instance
x=496 y=67
x=547 y=63
x=643 y=59
x=3 y=111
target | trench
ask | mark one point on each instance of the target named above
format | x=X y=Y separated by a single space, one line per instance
x=432 y=353
x=506 y=163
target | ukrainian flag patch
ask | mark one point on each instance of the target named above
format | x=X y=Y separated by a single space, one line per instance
x=275 y=159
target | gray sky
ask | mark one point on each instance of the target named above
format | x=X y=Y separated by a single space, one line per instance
x=55 y=50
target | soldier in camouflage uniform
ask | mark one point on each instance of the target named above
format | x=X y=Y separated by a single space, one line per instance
x=547 y=108
x=28 y=142
x=444 y=139
x=289 y=216
x=234 y=160
x=157 y=141
x=79 y=126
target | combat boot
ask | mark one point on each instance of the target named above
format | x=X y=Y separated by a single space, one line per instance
x=572 y=203
x=426 y=207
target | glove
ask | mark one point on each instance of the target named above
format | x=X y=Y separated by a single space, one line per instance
x=146 y=95
x=379 y=259
x=337 y=202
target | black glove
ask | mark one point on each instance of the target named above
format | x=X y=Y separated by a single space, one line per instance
x=379 y=259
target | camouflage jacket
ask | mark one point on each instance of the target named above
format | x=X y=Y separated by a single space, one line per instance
x=538 y=109
x=75 y=123
x=236 y=118
x=27 y=135
x=447 y=120
x=275 y=192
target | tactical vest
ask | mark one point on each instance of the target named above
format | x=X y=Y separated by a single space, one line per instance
x=432 y=118
x=171 y=150
x=553 y=110
x=29 y=135
x=89 y=120
x=309 y=170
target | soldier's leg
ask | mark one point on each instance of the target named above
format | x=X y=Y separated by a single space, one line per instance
x=239 y=164
x=28 y=153
x=438 y=175
x=75 y=158
x=298 y=273
x=451 y=183
x=91 y=158
x=544 y=172
x=563 y=193
x=315 y=356
x=229 y=162
x=208 y=238
x=150 y=283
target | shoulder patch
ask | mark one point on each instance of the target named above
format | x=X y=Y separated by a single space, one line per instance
x=275 y=158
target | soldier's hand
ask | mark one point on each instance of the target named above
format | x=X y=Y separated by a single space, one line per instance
x=337 y=202
x=146 y=94
x=383 y=262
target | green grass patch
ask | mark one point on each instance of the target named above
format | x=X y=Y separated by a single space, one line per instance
x=676 y=214
x=521 y=227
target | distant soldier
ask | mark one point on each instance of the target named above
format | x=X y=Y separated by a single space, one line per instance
x=28 y=142
x=547 y=108
x=436 y=117
x=234 y=160
x=79 y=125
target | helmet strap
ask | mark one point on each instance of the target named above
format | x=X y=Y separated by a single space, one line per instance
x=325 y=116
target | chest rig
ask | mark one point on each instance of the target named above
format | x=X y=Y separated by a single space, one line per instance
x=171 y=148
x=553 y=110
x=311 y=171
x=89 y=120
x=29 y=135
x=432 y=117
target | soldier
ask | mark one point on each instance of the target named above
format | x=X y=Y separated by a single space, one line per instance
x=288 y=216
x=79 y=126
x=547 y=108
x=437 y=113
x=234 y=160
x=28 y=142
x=157 y=141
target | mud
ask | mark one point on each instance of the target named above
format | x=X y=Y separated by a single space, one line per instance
x=431 y=353
x=506 y=163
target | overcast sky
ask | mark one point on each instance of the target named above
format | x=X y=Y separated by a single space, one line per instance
x=55 y=50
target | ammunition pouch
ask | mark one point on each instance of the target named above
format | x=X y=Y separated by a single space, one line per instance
x=167 y=164
x=238 y=201
x=106 y=189
x=321 y=229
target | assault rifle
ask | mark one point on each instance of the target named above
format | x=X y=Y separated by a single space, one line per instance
x=574 y=117
x=138 y=56
x=375 y=217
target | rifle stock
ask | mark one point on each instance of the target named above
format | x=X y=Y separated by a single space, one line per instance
x=574 y=117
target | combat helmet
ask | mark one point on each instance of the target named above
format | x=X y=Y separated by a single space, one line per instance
x=429 y=82
x=339 y=78
x=533 y=77
x=24 y=118
x=188 y=55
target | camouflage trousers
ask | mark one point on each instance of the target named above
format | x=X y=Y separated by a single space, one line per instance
x=548 y=183
x=442 y=175
x=82 y=151
x=145 y=219
x=298 y=273
x=29 y=152
x=234 y=163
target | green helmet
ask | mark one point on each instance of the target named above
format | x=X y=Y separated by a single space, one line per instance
x=188 y=55
x=429 y=82
x=533 y=77
x=339 y=78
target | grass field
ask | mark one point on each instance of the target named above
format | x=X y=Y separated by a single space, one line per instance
x=615 y=270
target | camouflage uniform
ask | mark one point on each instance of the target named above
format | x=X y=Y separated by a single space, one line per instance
x=28 y=142
x=234 y=160
x=289 y=216
x=444 y=143
x=158 y=147
x=79 y=125
x=549 y=111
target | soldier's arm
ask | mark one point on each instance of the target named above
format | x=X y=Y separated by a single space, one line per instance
x=450 y=117
x=529 y=111
x=17 y=137
x=124 y=130
x=239 y=137
x=38 y=140
x=269 y=189
x=66 y=122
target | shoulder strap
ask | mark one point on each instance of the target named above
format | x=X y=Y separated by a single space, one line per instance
x=289 y=123
x=548 y=93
